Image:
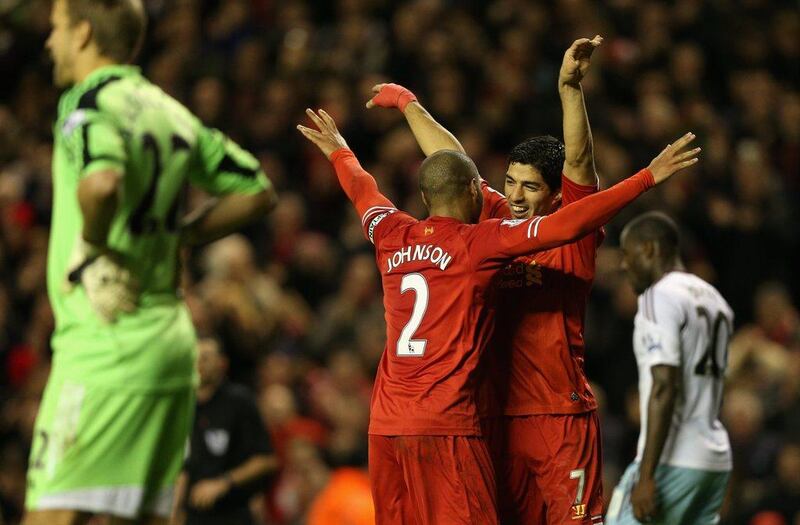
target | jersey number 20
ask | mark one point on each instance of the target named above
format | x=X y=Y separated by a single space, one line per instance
x=142 y=220
x=406 y=346
x=718 y=334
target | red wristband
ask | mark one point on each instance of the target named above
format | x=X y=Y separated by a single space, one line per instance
x=394 y=96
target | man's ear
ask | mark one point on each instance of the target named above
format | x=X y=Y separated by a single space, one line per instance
x=650 y=250
x=424 y=200
x=83 y=34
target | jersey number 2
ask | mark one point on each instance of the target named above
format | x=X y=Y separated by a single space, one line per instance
x=406 y=346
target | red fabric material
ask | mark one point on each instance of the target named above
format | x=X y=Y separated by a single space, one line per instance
x=431 y=480
x=427 y=383
x=394 y=96
x=540 y=461
x=537 y=361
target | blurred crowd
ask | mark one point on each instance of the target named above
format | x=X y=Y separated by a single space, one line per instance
x=296 y=298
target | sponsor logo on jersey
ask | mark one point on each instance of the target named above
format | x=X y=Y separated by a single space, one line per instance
x=651 y=343
x=521 y=274
x=420 y=252
x=579 y=511
x=73 y=121
x=512 y=222
x=217 y=441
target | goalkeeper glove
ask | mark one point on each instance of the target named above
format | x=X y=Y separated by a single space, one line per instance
x=110 y=287
x=391 y=96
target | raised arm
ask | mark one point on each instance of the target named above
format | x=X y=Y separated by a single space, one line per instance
x=579 y=162
x=357 y=183
x=579 y=218
x=431 y=136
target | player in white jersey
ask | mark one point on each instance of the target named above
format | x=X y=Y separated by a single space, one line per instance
x=680 y=339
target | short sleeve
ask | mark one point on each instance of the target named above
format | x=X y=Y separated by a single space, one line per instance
x=495 y=205
x=95 y=142
x=662 y=320
x=378 y=221
x=224 y=167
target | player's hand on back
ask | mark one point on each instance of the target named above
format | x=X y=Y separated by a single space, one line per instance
x=674 y=158
x=110 y=287
x=576 y=60
x=326 y=137
x=391 y=96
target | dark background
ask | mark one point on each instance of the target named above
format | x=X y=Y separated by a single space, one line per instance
x=297 y=300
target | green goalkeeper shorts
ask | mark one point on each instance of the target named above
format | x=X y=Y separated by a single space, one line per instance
x=108 y=451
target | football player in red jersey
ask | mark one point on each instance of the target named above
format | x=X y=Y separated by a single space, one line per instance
x=428 y=463
x=542 y=425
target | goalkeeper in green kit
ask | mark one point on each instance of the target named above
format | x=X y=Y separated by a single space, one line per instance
x=112 y=428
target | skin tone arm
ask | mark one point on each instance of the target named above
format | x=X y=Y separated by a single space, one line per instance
x=431 y=136
x=98 y=195
x=206 y=492
x=579 y=162
x=225 y=215
x=659 y=414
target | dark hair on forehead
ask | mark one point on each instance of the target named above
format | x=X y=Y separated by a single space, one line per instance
x=446 y=174
x=657 y=227
x=118 y=26
x=545 y=154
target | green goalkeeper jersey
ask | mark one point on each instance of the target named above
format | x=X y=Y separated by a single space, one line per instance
x=116 y=119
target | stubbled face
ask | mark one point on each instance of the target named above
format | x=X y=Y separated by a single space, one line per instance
x=62 y=44
x=527 y=193
x=637 y=261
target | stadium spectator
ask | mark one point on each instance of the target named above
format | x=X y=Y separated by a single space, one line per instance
x=230 y=454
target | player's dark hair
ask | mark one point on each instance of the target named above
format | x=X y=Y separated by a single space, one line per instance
x=118 y=26
x=657 y=227
x=446 y=174
x=545 y=154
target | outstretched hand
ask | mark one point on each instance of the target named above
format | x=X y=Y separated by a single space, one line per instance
x=576 y=60
x=674 y=158
x=327 y=139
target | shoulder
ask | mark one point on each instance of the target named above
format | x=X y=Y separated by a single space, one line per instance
x=664 y=301
x=386 y=217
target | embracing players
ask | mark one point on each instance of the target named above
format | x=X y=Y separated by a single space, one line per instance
x=113 y=422
x=680 y=339
x=543 y=429
x=428 y=463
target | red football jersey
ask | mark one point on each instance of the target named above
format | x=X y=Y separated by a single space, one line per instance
x=436 y=277
x=536 y=364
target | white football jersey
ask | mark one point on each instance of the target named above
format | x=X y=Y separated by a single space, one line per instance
x=683 y=321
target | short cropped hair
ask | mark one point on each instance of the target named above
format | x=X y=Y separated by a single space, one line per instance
x=118 y=26
x=657 y=227
x=545 y=154
x=446 y=174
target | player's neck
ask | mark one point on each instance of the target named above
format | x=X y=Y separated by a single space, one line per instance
x=452 y=212
x=88 y=64
x=665 y=267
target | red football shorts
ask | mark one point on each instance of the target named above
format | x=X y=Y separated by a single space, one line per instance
x=432 y=480
x=550 y=468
